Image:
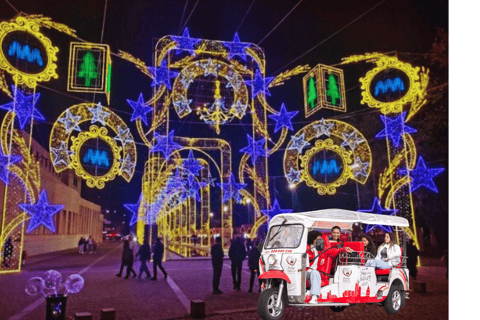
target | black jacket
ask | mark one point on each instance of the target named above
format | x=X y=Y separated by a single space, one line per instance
x=217 y=254
x=253 y=257
x=144 y=252
x=237 y=251
x=158 y=251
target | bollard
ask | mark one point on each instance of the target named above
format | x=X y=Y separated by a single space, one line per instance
x=56 y=307
x=107 y=314
x=83 y=316
x=197 y=308
x=419 y=287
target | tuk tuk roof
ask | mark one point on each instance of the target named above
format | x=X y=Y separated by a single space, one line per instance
x=328 y=218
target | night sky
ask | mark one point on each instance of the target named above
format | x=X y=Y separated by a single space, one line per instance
x=339 y=28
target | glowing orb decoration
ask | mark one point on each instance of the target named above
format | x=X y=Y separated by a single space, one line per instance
x=35 y=286
x=42 y=213
x=74 y=283
x=26 y=53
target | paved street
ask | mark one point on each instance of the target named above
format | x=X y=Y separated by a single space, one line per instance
x=188 y=280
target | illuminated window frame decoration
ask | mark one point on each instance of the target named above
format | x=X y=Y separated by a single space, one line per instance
x=64 y=157
x=332 y=135
x=24 y=24
x=104 y=68
x=318 y=73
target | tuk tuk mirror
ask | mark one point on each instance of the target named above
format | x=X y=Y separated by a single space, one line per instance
x=260 y=246
x=319 y=244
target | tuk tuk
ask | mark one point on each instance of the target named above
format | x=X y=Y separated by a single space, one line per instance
x=284 y=261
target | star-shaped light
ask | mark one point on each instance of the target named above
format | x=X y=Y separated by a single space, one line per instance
x=394 y=129
x=209 y=181
x=351 y=139
x=323 y=128
x=165 y=144
x=359 y=168
x=70 y=121
x=259 y=84
x=299 y=143
x=377 y=209
x=187 y=77
x=23 y=105
x=255 y=148
x=42 y=212
x=272 y=212
x=133 y=208
x=98 y=115
x=283 y=119
x=293 y=176
x=140 y=109
x=128 y=166
x=238 y=109
x=123 y=135
x=185 y=42
x=234 y=80
x=237 y=48
x=193 y=188
x=162 y=75
x=5 y=162
x=231 y=189
x=421 y=176
x=210 y=67
x=192 y=165
x=62 y=154
x=182 y=105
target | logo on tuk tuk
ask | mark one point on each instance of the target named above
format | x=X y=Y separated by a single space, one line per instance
x=347 y=272
x=291 y=260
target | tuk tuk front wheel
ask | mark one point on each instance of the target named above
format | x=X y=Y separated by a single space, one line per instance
x=267 y=305
x=394 y=300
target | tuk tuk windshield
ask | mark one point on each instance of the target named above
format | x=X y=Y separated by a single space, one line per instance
x=284 y=236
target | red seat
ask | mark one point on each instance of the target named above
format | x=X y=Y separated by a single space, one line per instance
x=381 y=272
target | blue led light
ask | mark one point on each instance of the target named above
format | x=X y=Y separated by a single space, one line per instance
x=25 y=53
x=259 y=84
x=42 y=212
x=192 y=165
x=284 y=119
x=299 y=143
x=23 y=105
x=293 y=176
x=389 y=84
x=140 y=109
x=231 y=189
x=421 y=176
x=162 y=75
x=325 y=167
x=165 y=144
x=96 y=157
x=5 y=162
x=275 y=210
x=237 y=48
x=377 y=209
x=133 y=208
x=185 y=42
x=394 y=129
x=255 y=148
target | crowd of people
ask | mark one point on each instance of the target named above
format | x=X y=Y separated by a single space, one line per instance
x=88 y=245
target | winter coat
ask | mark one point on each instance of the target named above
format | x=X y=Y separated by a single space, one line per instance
x=237 y=251
x=324 y=260
x=393 y=254
x=158 y=251
x=217 y=254
x=253 y=257
x=127 y=255
x=144 y=252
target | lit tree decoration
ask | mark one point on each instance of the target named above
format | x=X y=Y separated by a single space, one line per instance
x=283 y=119
x=275 y=210
x=88 y=69
x=323 y=128
x=42 y=212
x=162 y=75
x=259 y=83
x=294 y=176
x=133 y=208
x=5 y=162
x=185 y=42
x=332 y=90
x=192 y=165
x=312 y=95
x=394 y=129
x=62 y=154
x=23 y=105
x=237 y=48
x=255 y=148
x=140 y=109
x=299 y=143
x=377 y=209
x=231 y=189
x=165 y=144
x=421 y=176
x=98 y=115
x=351 y=139
x=70 y=122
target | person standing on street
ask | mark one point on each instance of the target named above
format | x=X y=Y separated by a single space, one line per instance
x=128 y=257
x=125 y=254
x=237 y=254
x=144 y=254
x=157 y=258
x=412 y=259
x=80 y=245
x=253 y=257
x=217 y=263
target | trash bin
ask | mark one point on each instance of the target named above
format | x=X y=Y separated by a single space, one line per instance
x=56 y=307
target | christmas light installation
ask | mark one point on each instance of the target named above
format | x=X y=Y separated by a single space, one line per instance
x=283 y=119
x=165 y=144
x=99 y=114
x=236 y=48
x=390 y=85
x=22 y=51
x=192 y=165
x=377 y=209
x=259 y=84
x=231 y=189
x=293 y=176
x=422 y=176
x=323 y=128
x=351 y=139
x=394 y=129
x=70 y=121
x=298 y=143
x=185 y=43
x=162 y=75
x=23 y=106
x=140 y=109
x=5 y=162
x=255 y=148
x=134 y=208
x=275 y=210
x=41 y=213
x=97 y=158
x=88 y=69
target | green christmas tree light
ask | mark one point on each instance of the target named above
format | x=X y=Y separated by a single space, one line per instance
x=332 y=90
x=312 y=93
x=88 y=69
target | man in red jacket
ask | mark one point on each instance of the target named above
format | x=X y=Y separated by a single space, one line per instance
x=319 y=264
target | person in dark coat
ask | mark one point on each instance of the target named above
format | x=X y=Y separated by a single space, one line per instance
x=144 y=255
x=127 y=256
x=7 y=252
x=237 y=254
x=412 y=259
x=217 y=263
x=125 y=253
x=157 y=259
x=253 y=257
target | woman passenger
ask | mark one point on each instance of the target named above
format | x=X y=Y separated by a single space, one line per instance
x=369 y=246
x=388 y=254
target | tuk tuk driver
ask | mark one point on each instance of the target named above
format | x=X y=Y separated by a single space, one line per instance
x=317 y=271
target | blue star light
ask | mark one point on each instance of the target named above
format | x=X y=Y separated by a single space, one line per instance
x=421 y=176
x=283 y=119
x=209 y=181
x=140 y=109
x=133 y=208
x=192 y=165
x=165 y=144
x=231 y=189
x=42 y=212
x=162 y=75
x=23 y=105
x=255 y=148
x=193 y=188
x=299 y=143
x=394 y=129
x=293 y=176
x=5 y=162
x=70 y=121
x=259 y=84
x=272 y=212
x=377 y=209
x=237 y=48
x=185 y=42
x=98 y=114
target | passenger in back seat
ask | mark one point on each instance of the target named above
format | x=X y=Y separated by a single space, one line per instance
x=388 y=254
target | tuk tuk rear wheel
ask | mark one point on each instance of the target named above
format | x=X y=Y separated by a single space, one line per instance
x=337 y=308
x=395 y=300
x=266 y=305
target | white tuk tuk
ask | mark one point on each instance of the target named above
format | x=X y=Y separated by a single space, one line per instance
x=283 y=263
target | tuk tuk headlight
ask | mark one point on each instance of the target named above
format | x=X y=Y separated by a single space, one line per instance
x=271 y=260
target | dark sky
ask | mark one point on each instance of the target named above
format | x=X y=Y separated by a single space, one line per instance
x=408 y=27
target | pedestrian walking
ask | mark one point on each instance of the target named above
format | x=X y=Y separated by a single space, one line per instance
x=7 y=252
x=80 y=245
x=412 y=259
x=90 y=244
x=237 y=254
x=157 y=258
x=127 y=256
x=144 y=255
x=253 y=257
x=217 y=262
